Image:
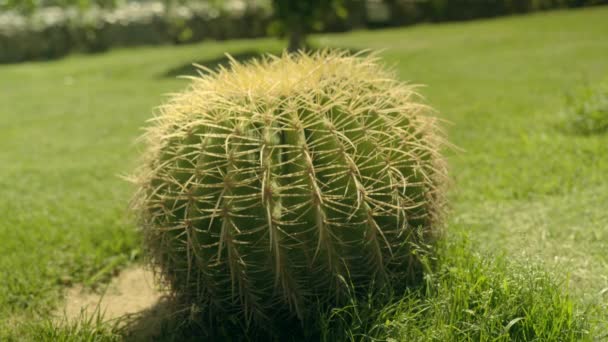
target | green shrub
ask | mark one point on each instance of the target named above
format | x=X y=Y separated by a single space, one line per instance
x=587 y=112
x=269 y=188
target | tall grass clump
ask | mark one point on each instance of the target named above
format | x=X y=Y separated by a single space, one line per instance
x=470 y=296
x=287 y=185
x=87 y=327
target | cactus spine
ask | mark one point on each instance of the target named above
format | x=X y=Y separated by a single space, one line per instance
x=267 y=187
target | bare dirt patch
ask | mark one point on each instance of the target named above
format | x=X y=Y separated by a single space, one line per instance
x=132 y=292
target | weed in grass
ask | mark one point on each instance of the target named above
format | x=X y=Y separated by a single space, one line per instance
x=587 y=110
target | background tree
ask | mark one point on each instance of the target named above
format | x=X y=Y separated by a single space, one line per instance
x=297 y=18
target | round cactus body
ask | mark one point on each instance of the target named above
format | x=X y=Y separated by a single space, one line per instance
x=281 y=185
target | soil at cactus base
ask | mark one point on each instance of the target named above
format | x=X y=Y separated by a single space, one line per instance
x=133 y=291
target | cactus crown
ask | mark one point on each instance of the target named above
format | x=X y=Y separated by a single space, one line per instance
x=268 y=186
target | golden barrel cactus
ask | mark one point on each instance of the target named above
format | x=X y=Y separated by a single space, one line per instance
x=285 y=184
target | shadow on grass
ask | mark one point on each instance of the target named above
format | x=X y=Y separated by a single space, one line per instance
x=189 y=69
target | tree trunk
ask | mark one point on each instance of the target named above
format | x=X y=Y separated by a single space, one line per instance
x=296 y=38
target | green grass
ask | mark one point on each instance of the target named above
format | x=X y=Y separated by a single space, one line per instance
x=521 y=187
x=470 y=297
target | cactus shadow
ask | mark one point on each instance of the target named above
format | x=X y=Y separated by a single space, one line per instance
x=163 y=323
x=148 y=324
x=159 y=323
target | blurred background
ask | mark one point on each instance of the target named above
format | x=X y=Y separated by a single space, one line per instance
x=48 y=29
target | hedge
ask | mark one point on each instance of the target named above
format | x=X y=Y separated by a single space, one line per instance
x=403 y=12
x=53 y=32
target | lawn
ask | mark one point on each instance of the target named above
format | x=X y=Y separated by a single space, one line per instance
x=521 y=186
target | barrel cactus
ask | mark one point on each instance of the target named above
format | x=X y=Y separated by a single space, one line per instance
x=286 y=184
